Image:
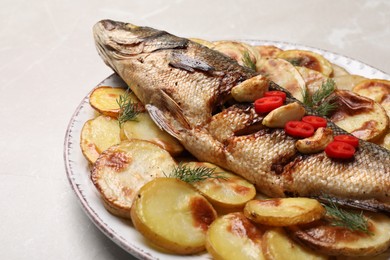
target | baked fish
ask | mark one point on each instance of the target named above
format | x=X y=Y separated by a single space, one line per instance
x=186 y=89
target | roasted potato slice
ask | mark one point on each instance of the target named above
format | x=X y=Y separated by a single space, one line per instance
x=104 y=100
x=385 y=140
x=233 y=236
x=228 y=193
x=203 y=42
x=172 y=215
x=285 y=75
x=360 y=116
x=347 y=82
x=237 y=50
x=144 y=128
x=97 y=135
x=313 y=79
x=335 y=240
x=277 y=245
x=338 y=71
x=376 y=89
x=122 y=170
x=268 y=51
x=308 y=59
x=284 y=211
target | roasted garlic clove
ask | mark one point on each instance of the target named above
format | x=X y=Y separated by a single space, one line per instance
x=316 y=143
x=278 y=117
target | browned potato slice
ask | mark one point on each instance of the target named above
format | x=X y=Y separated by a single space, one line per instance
x=203 y=42
x=313 y=79
x=360 y=116
x=284 y=211
x=144 y=128
x=236 y=50
x=229 y=193
x=104 y=100
x=123 y=169
x=308 y=59
x=173 y=215
x=376 y=89
x=284 y=74
x=233 y=236
x=347 y=82
x=385 y=140
x=268 y=51
x=277 y=245
x=338 y=71
x=97 y=135
x=333 y=240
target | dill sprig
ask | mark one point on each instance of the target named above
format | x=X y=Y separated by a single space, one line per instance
x=295 y=61
x=194 y=174
x=348 y=219
x=127 y=109
x=321 y=100
x=248 y=62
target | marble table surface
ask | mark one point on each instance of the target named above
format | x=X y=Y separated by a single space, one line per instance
x=49 y=63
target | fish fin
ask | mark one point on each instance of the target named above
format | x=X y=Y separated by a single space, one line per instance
x=369 y=204
x=161 y=121
x=185 y=62
x=168 y=103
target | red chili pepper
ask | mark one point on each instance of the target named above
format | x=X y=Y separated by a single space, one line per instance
x=299 y=129
x=315 y=121
x=275 y=93
x=349 y=139
x=339 y=150
x=267 y=104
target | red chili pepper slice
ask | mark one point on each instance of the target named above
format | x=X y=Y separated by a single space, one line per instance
x=315 y=121
x=349 y=139
x=299 y=129
x=339 y=150
x=275 y=93
x=267 y=104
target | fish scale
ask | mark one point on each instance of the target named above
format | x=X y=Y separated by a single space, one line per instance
x=185 y=86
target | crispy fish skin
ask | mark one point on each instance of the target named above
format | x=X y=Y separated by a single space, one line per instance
x=184 y=85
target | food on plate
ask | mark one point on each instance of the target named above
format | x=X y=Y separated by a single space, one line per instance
x=104 y=100
x=172 y=215
x=375 y=89
x=284 y=211
x=233 y=236
x=347 y=82
x=186 y=88
x=323 y=236
x=204 y=102
x=97 y=135
x=338 y=71
x=123 y=169
x=313 y=79
x=229 y=192
x=268 y=51
x=316 y=143
x=144 y=128
x=243 y=53
x=308 y=59
x=360 y=116
x=284 y=74
x=278 y=117
x=250 y=89
x=277 y=245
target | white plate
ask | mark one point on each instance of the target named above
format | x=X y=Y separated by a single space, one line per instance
x=120 y=231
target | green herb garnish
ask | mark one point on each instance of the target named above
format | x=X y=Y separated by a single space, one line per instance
x=127 y=109
x=321 y=100
x=195 y=174
x=295 y=61
x=248 y=62
x=348 y=219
